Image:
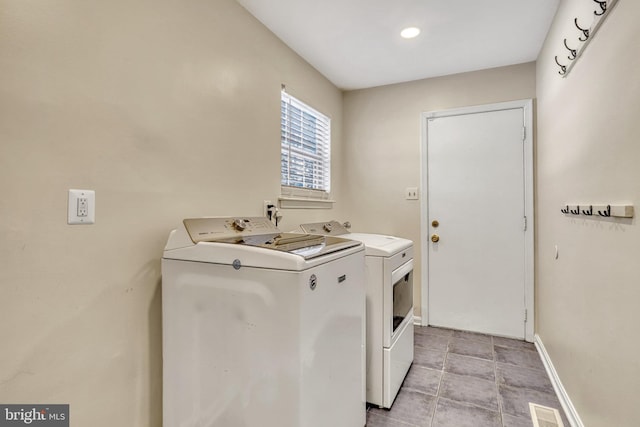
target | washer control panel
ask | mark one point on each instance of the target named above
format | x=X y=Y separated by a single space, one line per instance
x=217 y=229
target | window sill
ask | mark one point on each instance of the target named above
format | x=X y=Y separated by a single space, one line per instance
x=304 y=203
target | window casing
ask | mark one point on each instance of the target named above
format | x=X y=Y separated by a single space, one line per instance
x=305 y=148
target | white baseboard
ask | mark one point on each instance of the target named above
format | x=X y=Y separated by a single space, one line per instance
x=565 y=401
x=417 y=320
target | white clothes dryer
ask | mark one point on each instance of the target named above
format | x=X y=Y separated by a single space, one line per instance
x=389 y=291
x=261 y=328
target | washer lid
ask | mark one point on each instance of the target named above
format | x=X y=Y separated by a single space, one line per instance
x=307 y=246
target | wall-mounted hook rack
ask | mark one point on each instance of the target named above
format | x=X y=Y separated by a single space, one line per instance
x=617 y=211
x=584 y=34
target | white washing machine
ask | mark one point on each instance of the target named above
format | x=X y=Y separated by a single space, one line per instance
x=389 y=290
x=261 y=328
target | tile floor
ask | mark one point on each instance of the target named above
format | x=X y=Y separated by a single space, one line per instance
x=462 y=379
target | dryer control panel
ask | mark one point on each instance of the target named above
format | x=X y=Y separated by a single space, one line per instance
x=331 y=228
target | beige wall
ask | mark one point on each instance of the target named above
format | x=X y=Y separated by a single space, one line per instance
x=382 y=144
x=589 y=151
x=167 y=110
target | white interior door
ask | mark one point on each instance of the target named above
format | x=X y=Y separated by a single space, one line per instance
x=476 y=210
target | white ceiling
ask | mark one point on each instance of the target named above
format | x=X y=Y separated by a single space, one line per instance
x=356 y=43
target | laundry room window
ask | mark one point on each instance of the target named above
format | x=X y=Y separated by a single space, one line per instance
x=305 y=150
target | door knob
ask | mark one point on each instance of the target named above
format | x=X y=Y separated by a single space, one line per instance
x=435 y=238
x=435 y=223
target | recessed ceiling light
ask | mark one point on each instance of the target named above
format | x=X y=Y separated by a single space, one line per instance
x=410 y=32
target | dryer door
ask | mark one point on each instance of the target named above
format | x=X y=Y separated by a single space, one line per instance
x=398 y=301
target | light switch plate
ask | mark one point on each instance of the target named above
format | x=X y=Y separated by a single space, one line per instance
x=82 y=207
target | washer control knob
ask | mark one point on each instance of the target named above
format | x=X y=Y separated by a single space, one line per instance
x=328 y=227
x=239 y=224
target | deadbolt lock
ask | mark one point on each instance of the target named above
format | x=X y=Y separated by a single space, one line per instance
x=435 y=223
x=435 y=238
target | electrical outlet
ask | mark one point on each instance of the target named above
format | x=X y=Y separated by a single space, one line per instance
x=411 y=193
x=265 y=207
x=82 y=207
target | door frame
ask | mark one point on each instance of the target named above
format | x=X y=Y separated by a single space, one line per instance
x=527 y=106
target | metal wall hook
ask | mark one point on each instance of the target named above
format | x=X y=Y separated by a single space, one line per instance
x=603 y=7
x=573 y=53
x=588 y=212
x=563 y=68
x=585 y=32
x=606 y=212
x=576 y=211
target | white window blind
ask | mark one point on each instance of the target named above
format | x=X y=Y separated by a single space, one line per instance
x=305 y=146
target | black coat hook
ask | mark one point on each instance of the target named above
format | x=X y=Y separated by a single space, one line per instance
x=576 y=211
x=588 y=212
x=603 y=7
x=585 y=32
x=563 y=68
x=565 y=210
x=606 y=212
x=572 y=52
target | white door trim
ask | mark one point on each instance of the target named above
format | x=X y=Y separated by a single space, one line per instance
x=527 y=106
